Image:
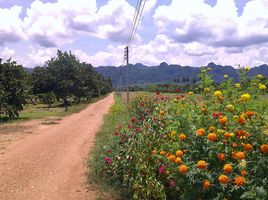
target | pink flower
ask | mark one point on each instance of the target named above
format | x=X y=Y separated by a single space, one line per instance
x=162 y=168
x=171 y=183
x=133 y=119
x=108 y=160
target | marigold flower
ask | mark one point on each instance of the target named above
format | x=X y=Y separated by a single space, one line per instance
x=172 y=158
x=262 y=87
x=223 y=179
x=247 y=68
x=227 y=168
x=245 y=97
x=227 y=135
x=248 y=147
x=200 y=132
x=221 y=156
x=182 y=169
x=154 y=151
x=167 y=172
x=217 y=93
x=239 y=180
x=222 y=120
x=212 y=137
x=182 y=137
x=162 y=112
x=243 y=172
x=206 y=184
x=234 y=145
x=206 y=90
x=225 y=76
x=211 y=129
x=179 y=153
x=201 y=164
x=162 y=153
x=264 y=148
x=237 y=85
x=249 y=114
x=259 y=76
x=240 y=155
x=241 y=120
x=230 y=107
x=178 y=160
x=173 y=133
x=190 y=93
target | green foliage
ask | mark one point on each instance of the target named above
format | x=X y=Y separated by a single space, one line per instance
x=229 y=120
x=48 y=98
x=13 y=81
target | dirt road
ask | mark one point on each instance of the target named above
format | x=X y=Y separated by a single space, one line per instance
x=50 y=164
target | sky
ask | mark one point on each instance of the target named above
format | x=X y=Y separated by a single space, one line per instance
x=185 y=32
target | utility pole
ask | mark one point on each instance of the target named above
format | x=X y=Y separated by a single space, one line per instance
x=127 y=72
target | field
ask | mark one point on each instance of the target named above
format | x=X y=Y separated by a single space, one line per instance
x=211 y=145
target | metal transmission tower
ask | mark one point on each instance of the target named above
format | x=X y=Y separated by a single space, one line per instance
x=136 y=19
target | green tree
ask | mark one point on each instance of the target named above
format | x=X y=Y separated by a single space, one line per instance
x=13 y=85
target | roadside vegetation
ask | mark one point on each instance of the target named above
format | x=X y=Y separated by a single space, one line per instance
x=213 y=145
x=63 y=81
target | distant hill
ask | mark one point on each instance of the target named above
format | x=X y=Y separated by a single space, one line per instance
x=28 y=70
x=165 y=73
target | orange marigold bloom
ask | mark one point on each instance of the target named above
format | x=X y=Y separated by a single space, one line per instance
x=248 y=147
x=227 y=135
x=179 y=153
x=178 y=160
x=222 y=120
x=240 y=155
x=172 y=158
x=227 y=168
x=154 y=151
x=250 y=114
x=235 y=145
x=182 y=169
x=239 y=180
x=244 y=173
x=223 y=179
x=241 y=120
x=201 y=164
x=200 y=132
x=212 y=137
x=167 y=172
x=240 y=133
x=221 y=156
x=212 y=129
x=264 y=148
x=182 y=137
x=206 y=184
x=162 y=153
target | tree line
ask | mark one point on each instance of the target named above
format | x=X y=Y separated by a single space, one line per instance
x=62 y=78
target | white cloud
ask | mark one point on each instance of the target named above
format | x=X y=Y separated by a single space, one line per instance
x=10 y=25
x=218 y=26
x=7 y=53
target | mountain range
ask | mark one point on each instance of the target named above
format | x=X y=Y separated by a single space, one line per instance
x=165 y=73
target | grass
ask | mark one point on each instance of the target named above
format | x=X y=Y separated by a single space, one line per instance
x=117 y=114
x=40 y=111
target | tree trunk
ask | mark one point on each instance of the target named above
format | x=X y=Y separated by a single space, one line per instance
x=65 y=104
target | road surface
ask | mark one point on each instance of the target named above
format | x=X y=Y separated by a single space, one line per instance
x=50 y=164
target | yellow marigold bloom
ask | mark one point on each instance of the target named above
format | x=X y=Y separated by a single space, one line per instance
x=218 y=93
x=190 y=93
x=262 y=87
x=227 y=168
x=237 y=85
x=247 y=68
x=167 y=172
x=240 y=180
x=245 y=97
x=154 y=151
x=211 y=129
x=223 y=179
x=225 y=76
x=206 y=184
x=230 y=107
x=162 y=112
x=209 y=69
x=203 y=71
x=206 y=90
x=243 y=164
x=173 y=133
x=259 y=76
x=201 y=164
